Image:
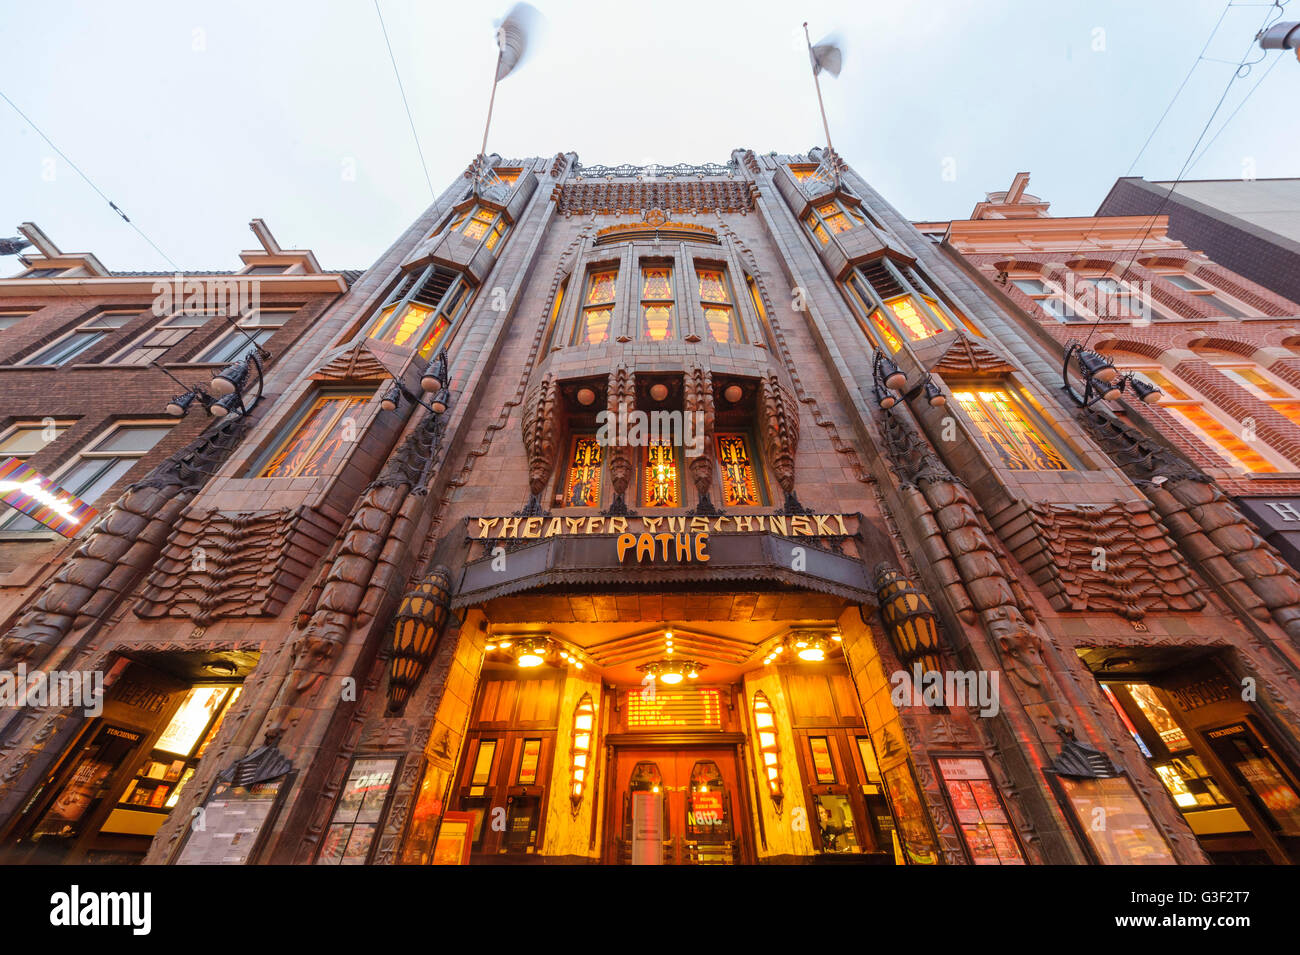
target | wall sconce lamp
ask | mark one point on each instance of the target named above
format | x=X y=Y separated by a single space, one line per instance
x=584 y=727
x=769 y=747
x=889 y=378
x=1102 y=381
x=417 y=627
x=228 y=388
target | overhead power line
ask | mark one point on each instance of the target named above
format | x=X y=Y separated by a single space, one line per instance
x=423 y=165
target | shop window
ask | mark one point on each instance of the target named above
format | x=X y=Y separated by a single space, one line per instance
x=598 y=308
x=480 y=222
x=661 y=485
x=831 y=218
x=740 y=484
x=96 y=469
x=81 y=339
x=658 y=320
x=1010 y=427
x=177 y=752
x=720 y=316
x=422 y=310
x=84 y=789
x=318 y=438
x=153 y=344
x=253 y=329
x=351 y=831
x=1217 y=431
x=582 y=477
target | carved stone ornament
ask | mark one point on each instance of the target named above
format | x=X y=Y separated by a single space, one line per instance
x=541 y=433
x=621 y=400
x=356 y=363
x=779 y=418
x=697 y=399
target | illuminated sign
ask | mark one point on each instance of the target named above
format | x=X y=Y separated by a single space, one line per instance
x=657 y=546
x=31 y=492
x=540 y=528
x=655 y=708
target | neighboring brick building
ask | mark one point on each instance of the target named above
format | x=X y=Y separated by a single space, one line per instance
x=469 y=619
x=1251 y=226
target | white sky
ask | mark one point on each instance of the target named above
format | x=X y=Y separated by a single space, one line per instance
x=195 y=117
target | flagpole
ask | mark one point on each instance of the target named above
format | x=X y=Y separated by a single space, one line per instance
x=491 y=102
x=816 y=82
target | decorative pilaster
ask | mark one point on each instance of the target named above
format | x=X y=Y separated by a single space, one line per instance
x=697 y=401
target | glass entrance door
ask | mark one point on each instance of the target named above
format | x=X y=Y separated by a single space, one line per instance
x=676 y=807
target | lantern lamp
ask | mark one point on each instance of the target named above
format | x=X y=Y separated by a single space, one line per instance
x=417 y=626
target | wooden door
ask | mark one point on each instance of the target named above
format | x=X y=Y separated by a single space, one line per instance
x=675 y=807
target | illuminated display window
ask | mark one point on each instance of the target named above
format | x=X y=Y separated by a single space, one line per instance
x=661 y=483
x=1011 y=429
x=1216 y=430
x=478 y=222
x=319 y=439
x=831 y=218
x=356 y=818
x=740 y=486
x=583 y=475
x=977 y=806
x=657 y=301
x=597 y=308
x=422 y=309
x=720 y=318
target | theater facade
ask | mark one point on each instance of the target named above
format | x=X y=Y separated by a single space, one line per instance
x=669 y=515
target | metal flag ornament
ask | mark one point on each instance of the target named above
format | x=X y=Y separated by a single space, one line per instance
x=513 y=36
x=827 y=55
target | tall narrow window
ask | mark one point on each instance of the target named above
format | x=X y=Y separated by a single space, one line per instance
x=739 y=478
x=96 y=469
x=582 y=480
x=1010 y=428
x=255 y=328
x=422 y=310
x=597 y=309
x=661 y=487
x=318 y=439
x=719 y=311
x=555 y=315
x=1221 y=437
x=657 y=321
x=81 y=339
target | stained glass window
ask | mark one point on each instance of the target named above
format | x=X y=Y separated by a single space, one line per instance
x=661 y=485
x=422 y=316
x=477 y=222
x=719 y=313
x=657 y=303
x=598 y=309
x=319 y=440
x=582 y=482
x=1007 y=426
x=739 y=479
x=830 y=217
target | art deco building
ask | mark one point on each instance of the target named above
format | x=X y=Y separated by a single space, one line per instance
x=695 y=514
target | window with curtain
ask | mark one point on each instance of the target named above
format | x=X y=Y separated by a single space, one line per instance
x=1011 y=428
x=597 y=308
x=318 y=438
x=658 y=318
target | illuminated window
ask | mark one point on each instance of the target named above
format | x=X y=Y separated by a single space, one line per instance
x=662 y=482
x=804 y=171
x=479 y=222
x=1009 y=426
x=657 y=322
x=767 y=745
x=597 y=309
x=508 y=176
x=739 y=478
x=583 y=476
x=319 y=438
x=81 y=339
x=832 y=217
x=720 y=316
x=422 y=309
x=1215 y=429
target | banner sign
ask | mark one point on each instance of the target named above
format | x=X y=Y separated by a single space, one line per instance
x=31 y=492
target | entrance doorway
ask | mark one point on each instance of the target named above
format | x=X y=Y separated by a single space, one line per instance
x=676 y=806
